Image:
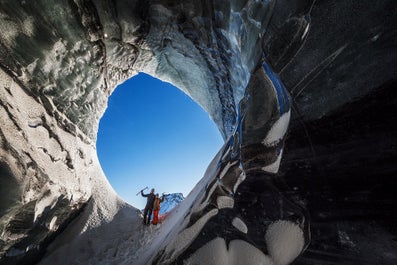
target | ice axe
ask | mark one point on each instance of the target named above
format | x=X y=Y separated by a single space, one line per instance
x=145 y=188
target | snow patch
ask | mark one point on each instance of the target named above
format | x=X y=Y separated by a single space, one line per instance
x=284 y=241
x=49 y=199
x=51 y=226
x=278 y=130
x=189 y=234
x=238 y=252
x=273 y=168
x=305 y=31
x=224 y=202
x=240 y=179
x=28 y=26
x=240 y=225
x=11 y=28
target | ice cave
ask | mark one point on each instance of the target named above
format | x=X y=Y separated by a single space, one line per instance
x=302 y=91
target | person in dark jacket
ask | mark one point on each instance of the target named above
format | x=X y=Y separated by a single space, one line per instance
x=147 y=213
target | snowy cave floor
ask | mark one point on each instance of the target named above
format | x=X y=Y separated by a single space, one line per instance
x=123 y=240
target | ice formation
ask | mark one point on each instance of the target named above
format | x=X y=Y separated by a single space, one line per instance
x=303 y=93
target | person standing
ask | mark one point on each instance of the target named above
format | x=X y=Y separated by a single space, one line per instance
x=147 y=213
x=156 y=208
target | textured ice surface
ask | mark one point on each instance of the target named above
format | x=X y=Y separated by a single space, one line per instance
x=255 y=67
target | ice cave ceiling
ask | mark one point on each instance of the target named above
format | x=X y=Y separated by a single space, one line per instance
x=326 y=68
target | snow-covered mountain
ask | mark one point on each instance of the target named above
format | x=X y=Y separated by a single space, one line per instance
x=170 y=201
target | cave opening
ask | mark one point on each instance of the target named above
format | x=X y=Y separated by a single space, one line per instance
x=152 y=134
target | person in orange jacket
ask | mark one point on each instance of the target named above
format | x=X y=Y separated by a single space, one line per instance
x=156 y=208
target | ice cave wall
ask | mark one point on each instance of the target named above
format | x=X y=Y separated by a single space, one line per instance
x=60 y=61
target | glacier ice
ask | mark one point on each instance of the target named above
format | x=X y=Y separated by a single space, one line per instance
x=302 y=92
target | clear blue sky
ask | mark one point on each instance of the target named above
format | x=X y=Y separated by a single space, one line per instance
x=154 y=135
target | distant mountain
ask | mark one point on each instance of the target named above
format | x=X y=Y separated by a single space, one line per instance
x=171 y=200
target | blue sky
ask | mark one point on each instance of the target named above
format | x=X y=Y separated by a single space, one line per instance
x=154 y=135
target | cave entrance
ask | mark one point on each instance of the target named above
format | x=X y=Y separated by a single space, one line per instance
x=154 y=135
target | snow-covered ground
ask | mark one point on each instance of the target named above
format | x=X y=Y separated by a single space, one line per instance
x=123 y=240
